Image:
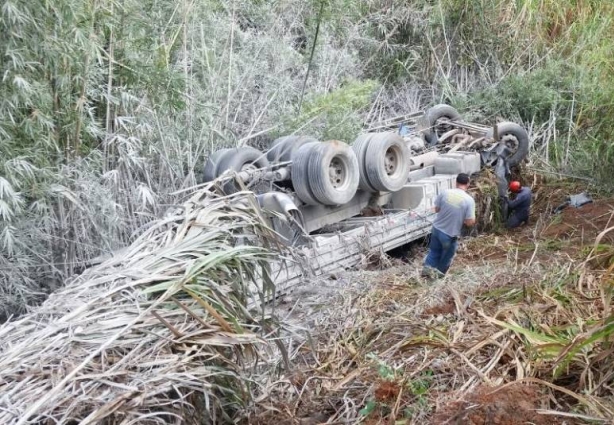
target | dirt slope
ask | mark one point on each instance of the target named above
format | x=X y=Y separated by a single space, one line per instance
x=478 y=347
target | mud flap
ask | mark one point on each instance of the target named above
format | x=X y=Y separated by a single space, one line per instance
x=502 y=172
x=504 y=209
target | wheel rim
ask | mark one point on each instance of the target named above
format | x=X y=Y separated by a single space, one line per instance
x=392 y=160
x=337 y=173
x=250 y=166
x=511 y=142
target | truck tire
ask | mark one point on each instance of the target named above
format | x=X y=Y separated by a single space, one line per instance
x=387 y=162
x=240 y=159
x=211 y=165
x=360 y=148
x=333 y=173
x=515 y=137
x=282 y=148
x=299 y=174
x=428 y=124
x=277 y=148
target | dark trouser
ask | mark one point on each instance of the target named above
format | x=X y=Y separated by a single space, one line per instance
x=441 y=251
x=516 y=218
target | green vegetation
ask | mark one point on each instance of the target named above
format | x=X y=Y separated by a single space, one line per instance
x=107 y=108
x=335 y=115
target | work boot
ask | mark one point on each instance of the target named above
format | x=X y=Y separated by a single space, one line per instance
x=430 y=273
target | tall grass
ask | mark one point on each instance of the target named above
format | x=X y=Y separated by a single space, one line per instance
x=161 y=333
x=108 y=107
x=556 y=63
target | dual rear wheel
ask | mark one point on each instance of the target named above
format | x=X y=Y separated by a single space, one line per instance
x=324 y=173
x=383 y=160
x=330 y=173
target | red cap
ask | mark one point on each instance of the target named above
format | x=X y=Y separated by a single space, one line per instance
x=515 y=186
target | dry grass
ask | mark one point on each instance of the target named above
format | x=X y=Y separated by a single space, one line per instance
x=157 y=334
x=522 y=316
x=160 y=333
x=397 y=349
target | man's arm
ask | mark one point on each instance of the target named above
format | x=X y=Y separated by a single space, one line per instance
x=522 y=196
x=437 y=203
x=511 y=204
x=470 y=214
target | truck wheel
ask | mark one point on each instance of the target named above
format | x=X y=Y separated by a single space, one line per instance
x=433 y=123
x=387 y=162
x=299 y=174
x=333 y=173
x=211 y=165
x=240 y=159
x=515 y=138
x=283 y=147
x=360 y=148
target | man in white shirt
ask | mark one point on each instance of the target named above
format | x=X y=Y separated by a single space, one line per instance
x=454 y=208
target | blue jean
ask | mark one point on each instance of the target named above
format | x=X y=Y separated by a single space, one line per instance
x=441 y=251
x=515 y=219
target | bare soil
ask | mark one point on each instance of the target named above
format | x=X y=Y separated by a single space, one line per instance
x=583 y=224
x=511 y=405
x=446 y=307
x=571 y=233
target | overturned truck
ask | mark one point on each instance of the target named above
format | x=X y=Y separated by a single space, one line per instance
x=335 y=203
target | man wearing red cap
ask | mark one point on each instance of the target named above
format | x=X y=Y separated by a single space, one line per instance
x=518 y=208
